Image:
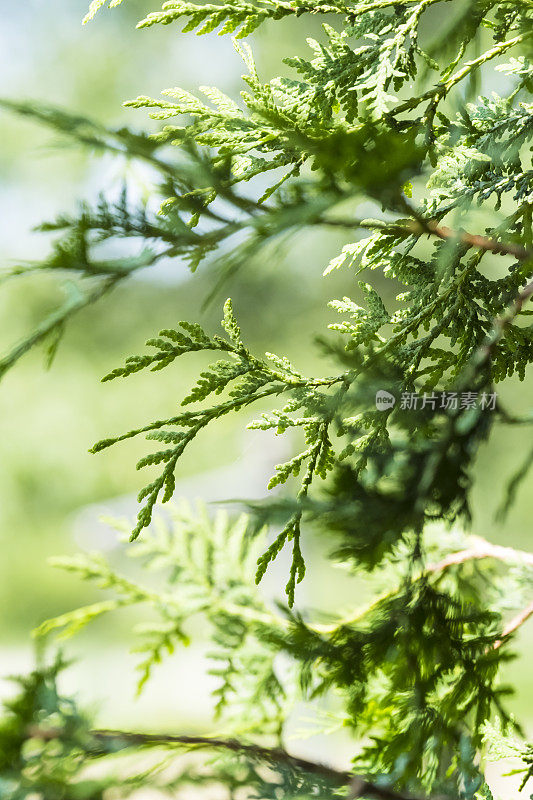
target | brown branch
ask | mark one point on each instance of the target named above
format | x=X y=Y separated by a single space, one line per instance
x=474 y=240
x=419 y=227
x=272 y=754
x=515 y=623
x=359 y=787
x=481 y=548
x=518 y=620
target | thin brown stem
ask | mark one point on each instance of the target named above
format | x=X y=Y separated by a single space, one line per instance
x=515 y=623
x=271 y=754
x=483 y=242
x=419 y=227
x=359 y=787
x=481 y=548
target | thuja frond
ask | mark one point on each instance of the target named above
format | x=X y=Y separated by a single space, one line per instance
x=184 y=547
x=228 y=17
x=52 y=328
x=442 y=679
x=85 y=131
x=96 y=5
x=378 y=112
x=238 y=17
x=248 y=380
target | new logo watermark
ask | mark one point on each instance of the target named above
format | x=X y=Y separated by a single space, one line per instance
x=450 y=401
x=384 y=400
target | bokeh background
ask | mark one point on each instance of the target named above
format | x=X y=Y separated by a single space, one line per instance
x=52 y=491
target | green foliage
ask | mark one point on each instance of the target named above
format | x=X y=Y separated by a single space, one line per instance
x=439 y=684
x=380 y=116
x=253 y=379
x=49 y=751
x=185 y=550
x=43 y=742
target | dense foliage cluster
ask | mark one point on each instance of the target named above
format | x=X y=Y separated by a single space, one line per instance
x=381 y=112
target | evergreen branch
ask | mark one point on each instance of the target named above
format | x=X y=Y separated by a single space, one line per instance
x=190 y=417
x=474 y=240
x=416 y=668
x=481 y=548
x=55 y=322
x=88 y=133
x=500 y=324
x=320 y=462
x=516 y=622
x=359 y=787
x=111 y=274
x=420 y=227
x=438 y=92
x=498 y=50
x=376 y=5
x=254 y=375
x=238 y=16
x=196 y=422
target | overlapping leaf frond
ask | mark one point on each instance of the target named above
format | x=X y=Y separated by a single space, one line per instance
x=379 y=114
x=443 y=624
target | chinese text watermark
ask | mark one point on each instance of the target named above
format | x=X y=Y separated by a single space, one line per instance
x=433 y=401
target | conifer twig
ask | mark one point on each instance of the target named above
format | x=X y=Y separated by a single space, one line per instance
x=70 y=307
x=515 y=623
x=439 y=91
x=420 y=226
x=475 y=240
x=272 y=754
x=481 y=548
x=359 y=787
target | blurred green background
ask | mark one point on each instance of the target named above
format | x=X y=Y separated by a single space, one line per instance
x=51 y=489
